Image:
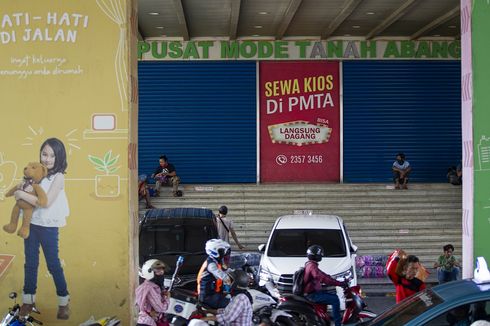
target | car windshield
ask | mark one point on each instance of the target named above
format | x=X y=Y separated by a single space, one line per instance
x=408 y=309
x=175 y=238
x=294 y=242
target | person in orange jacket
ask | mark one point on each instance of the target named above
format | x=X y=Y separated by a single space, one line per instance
x=402 y=269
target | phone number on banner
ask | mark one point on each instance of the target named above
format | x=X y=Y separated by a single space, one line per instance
x=312 y=159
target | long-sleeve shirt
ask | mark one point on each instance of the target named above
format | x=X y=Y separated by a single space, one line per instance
x=314 y=278
x=149 y=298
x=403 y=286
x=237 y=313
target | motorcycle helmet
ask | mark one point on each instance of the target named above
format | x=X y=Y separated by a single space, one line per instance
x=315 y=252
x=240 y=279
x=146 y=271
x=217 y=248
x=223 y=210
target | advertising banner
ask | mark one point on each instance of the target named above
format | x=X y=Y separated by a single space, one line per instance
x=66 y=100
x=299 y=122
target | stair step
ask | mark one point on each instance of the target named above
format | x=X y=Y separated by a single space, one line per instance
x=379 y=219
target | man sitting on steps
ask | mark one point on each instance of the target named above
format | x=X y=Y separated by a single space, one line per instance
x=401 y=169
x=165 y=174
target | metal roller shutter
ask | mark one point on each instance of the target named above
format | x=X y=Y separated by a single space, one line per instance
x=202 y=115
x=401 y=106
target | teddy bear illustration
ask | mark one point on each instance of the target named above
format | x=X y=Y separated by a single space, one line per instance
x=34 y=172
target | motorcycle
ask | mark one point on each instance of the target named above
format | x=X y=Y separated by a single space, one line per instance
x=185 y=306
x=12 y=318
x=308 y=313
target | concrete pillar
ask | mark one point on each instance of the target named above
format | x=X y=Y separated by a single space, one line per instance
x=68 y=70
x=475 y=80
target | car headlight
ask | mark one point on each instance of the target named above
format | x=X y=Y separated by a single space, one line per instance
x=348 y=274
x=267 y=277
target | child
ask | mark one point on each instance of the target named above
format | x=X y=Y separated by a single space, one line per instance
x=44 y=229
x=145 y=192
x=403 y=270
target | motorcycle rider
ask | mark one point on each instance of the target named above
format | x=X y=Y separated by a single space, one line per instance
x=151 y=303
x=313 y=280
x=239 y=312
x=212 y=275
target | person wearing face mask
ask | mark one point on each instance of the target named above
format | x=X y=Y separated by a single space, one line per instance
x=401 y=169
x=239 y=311
x=150 y=298
x=403 y=270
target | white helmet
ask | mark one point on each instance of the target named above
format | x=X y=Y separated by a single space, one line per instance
x=217 y=248
x=146 y=271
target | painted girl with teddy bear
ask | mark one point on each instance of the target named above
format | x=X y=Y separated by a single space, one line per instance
x=44 y=228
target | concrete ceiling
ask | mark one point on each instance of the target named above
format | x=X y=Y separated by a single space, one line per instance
x=287 y=19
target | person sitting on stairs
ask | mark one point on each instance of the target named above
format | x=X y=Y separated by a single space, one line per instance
x=165 y=174
x=144 y=191
x=401 y=169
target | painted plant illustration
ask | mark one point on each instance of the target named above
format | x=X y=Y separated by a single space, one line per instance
x=8 y=169
x=107 y=184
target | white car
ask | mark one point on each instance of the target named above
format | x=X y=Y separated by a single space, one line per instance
x=290 y=237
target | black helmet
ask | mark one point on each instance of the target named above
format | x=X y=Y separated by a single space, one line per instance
x=315 y=252
x=223 y=210
x=240 y=279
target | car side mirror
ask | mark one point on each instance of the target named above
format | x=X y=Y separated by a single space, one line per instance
x=261 y=247
x=353 y=249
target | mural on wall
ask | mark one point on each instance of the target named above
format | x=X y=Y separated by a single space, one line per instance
x=5 y=261
x=104 y=126
x=114 y=10
x=63 y=68
x=107 y=184
x=483 y=153
x=8 y=170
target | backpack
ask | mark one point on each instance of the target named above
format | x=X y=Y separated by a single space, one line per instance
x=298 y=281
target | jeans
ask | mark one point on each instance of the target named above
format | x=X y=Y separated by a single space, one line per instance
x=47 y=238
x=328 y=299
x=447 y=276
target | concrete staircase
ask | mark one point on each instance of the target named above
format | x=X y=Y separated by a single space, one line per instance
x=379 y=219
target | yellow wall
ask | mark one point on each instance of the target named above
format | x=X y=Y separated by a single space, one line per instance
x=53 y=88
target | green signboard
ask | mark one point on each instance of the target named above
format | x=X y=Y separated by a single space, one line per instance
x=296 y=50
x=481 y=128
